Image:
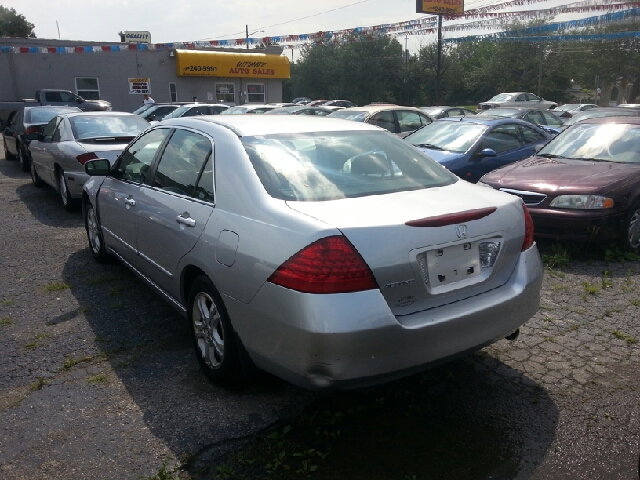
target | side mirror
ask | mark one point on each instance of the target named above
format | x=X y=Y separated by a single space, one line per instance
x=79 y=100
x=34 y=136
x=487 y=152
x=98 y=167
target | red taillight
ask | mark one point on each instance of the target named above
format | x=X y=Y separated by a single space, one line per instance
x=528 y=229
x=29 y=130
x=329 y=265
x=85 y=157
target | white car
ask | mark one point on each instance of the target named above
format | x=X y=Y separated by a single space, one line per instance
x=517 y=99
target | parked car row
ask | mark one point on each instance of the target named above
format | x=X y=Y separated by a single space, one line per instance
x=291 y=220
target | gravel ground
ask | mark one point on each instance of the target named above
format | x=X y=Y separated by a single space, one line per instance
x=98 y=378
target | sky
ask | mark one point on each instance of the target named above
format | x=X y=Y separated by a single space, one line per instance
x=194 y=20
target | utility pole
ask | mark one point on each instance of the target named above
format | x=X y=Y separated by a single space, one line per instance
x=439 y=64
x=247 y=36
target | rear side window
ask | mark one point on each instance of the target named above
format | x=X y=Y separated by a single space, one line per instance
x=530 y=135
x=502 y=138
x=330 y=165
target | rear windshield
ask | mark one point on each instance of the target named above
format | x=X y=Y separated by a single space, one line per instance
x=43 y=115
x=355 y=115
x=332 y=165
x=599 y=113
x=90 y=126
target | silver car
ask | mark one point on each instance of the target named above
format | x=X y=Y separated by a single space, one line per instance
x=68 y=141
x=329 y=253
x=517 y=99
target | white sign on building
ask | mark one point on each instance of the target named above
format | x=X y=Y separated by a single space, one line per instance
x=139 y=85
x=135 y=37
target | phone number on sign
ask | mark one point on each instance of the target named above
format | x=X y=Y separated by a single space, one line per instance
x=200 y=68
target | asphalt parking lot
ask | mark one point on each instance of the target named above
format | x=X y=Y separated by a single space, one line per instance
x=98 y=380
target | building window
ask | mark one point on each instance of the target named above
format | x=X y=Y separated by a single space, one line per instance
x=255 y=93
x=88 y=88
x=173 y=93
x=225 y=93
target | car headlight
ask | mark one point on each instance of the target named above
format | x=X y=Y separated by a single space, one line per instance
x=582 y=202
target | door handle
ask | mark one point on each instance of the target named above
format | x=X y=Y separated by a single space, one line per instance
x=130 y=201
x=186 y=220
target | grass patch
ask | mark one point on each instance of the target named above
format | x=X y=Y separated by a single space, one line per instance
x=558 y=287
x=5 y=322
x=56 y=286
x=607 y=282
x=70 y=362
x=623 y=336
x=37 y=384
x=635 y=302
x=615 y=253
x=99 y=378
x=163 y=474
x=558 y=257
x=6 y=303
x=38 y=341
x=590 y=288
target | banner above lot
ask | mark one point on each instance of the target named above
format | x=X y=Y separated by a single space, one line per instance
x=198 y=63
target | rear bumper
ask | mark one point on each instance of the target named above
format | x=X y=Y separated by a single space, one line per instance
x=75 y=182
x=350 y=340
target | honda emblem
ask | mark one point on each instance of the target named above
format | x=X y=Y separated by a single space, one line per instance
x=461 y=231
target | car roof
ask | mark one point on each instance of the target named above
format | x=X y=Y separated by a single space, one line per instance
x=634 y=120
x=379 y=108
x=250 y=125
x=99 y=114
x=486 y=120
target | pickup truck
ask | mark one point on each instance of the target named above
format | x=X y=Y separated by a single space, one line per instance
x=52 y=97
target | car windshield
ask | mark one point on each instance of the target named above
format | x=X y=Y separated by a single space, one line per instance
x=356 y=116
x=598 y=113
x=323 y=166
x=501 y=97
x=610 y=142
x=43 y=115
x=90 y=126
x=445 y=135
x=142 y=108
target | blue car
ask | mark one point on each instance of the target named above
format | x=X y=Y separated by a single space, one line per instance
x=473 y=146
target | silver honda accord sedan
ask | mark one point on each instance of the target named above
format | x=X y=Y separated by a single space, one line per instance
x=327 y=252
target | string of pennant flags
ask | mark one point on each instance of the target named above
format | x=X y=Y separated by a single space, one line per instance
x=481 y=19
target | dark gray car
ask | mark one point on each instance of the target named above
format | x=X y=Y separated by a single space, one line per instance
x=24 y=121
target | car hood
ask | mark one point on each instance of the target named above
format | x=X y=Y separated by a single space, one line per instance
x=548 y=175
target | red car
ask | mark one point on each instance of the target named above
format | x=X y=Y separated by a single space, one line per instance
x=584 y=184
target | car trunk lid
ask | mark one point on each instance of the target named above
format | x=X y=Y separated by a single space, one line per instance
x=423 y=246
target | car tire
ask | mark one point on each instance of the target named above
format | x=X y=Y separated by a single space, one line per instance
x=67 y=202
x=35 y=178
x=7 y=155
x=214 y=340
x=631 y=234
x=94 y=234
x=23 y=158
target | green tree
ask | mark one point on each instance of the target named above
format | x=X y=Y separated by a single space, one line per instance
x=13 y=24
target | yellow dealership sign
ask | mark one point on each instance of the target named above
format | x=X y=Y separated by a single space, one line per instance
x=442 y=7
x=199 y=63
